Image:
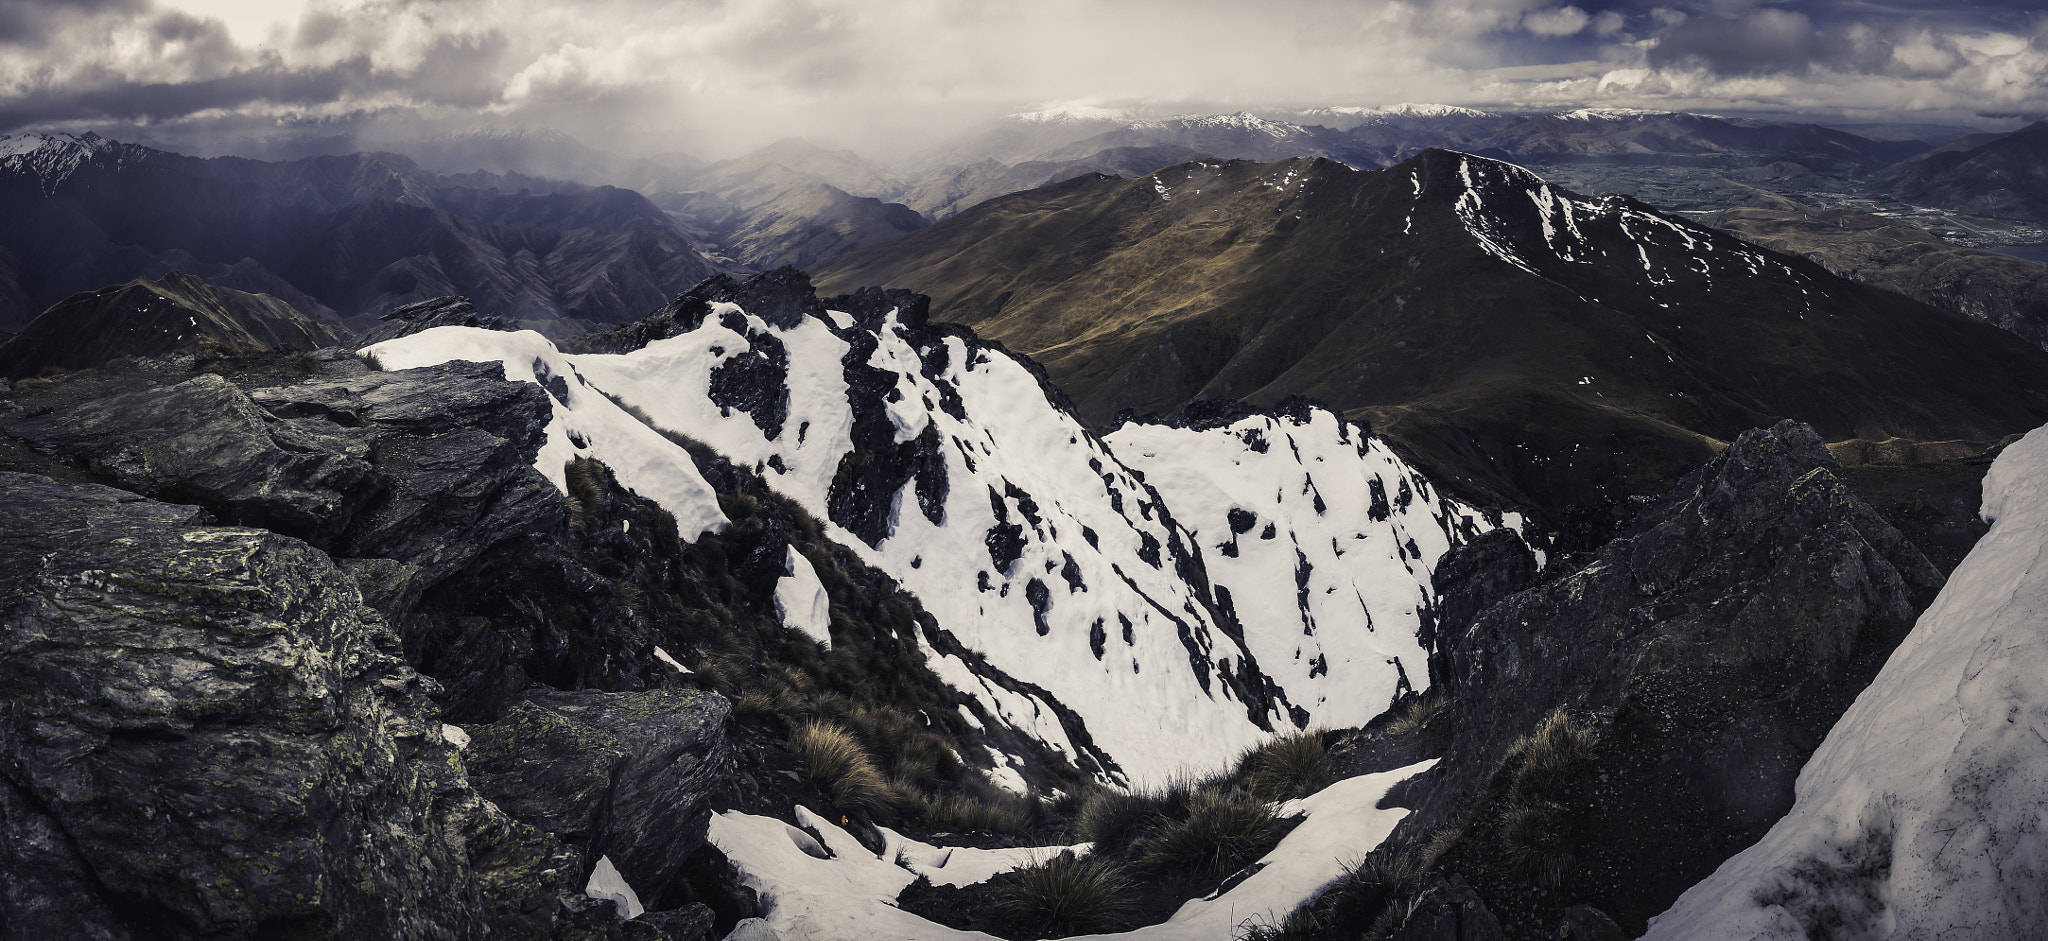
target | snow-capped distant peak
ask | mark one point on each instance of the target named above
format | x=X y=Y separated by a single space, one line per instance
x=1406 y=109
x=17 y=145
x=1070 y=114
x=1241 y=121
x=52 y=158
x=1610 y=114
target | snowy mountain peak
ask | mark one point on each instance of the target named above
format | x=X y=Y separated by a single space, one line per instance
x=1404 y=109
x=1610 y=114
x=1515 y=216
x=1071 y=114
x=52 y=158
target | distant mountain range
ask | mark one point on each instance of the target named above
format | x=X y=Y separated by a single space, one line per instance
x=1549 y=348
x=352 y=236
x=1989 y=174
x=545 y=229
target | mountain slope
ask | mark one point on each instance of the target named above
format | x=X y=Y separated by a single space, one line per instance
x=1551 y=347
x=945 y=193
x=2005 y=175
x=150 y=318
x=360 y=234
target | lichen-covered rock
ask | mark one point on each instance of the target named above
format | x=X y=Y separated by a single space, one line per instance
x=207 y=734
x=629 y=776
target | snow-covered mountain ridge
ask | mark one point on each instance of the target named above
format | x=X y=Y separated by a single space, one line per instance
x=1142 y=642
x=52 y=158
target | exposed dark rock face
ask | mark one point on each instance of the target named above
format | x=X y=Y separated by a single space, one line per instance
x=207 y=734
x=426 y=315
x=1698 y=659
x=431 y=469
x=628 y=776
x=1470 y=578
x=203 y=441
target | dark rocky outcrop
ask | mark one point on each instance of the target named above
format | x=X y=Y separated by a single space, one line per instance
x=627 y=776
x=207 y=734
x=430 y=469
x=203 y=441
x=1642 y=713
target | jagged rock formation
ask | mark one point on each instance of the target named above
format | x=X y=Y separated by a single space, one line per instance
x=1536 y=345
x=627 y=777
x=1997 y=288
x=151 y=318
x=1641 y=713
x=523 y=598
x=1918 y=816
x=209 y=735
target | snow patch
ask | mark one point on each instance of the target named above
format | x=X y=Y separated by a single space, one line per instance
x=851 y=896
x=606 y=883
x=800 y=599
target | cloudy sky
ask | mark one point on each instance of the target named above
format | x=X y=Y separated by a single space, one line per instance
x=714 y=77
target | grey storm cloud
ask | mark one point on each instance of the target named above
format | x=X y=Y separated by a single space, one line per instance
x=29 y=21
x=708 y=75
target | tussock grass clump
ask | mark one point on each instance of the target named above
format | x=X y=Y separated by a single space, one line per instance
x=1071 y=894
x=838 y=761
x=983 y=811
x=1222 y=832
x=1547 y=753
x=1533 y=826
x=1112 y=819
x=1419 y=714
x=1533 y=842
x=1288 y=767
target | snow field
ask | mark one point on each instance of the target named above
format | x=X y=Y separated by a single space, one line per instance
x=1322 y=540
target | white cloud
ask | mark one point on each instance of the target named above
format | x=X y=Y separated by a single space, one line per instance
x=1562 y=21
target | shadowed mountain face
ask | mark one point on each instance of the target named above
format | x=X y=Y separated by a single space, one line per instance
x=150 y=318
x=2004 y=175
x=1541 y=345
x=359 y=234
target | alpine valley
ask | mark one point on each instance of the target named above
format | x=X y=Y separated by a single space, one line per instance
x=1296 y=525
